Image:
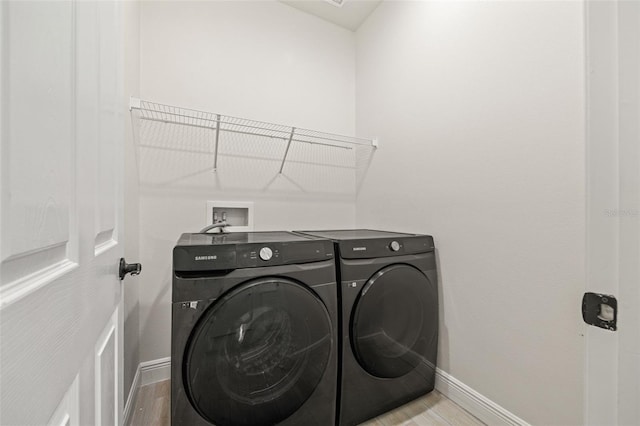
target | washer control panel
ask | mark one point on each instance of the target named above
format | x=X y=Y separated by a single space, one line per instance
x=266 y=253
x=259 y=255
x=197 y=253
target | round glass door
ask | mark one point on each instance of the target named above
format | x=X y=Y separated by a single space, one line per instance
x=394 y=321
x=258 y=353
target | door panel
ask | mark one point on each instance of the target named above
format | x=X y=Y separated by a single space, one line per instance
x=106 y=385
x=108 y=106
x=68 y=412
x=58 y=293
x=38 y=148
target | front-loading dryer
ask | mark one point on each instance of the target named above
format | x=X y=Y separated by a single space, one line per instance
x=254 y=325
x=389 y=320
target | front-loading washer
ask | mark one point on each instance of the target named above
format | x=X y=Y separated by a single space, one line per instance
x=389 y=320
x=254 y=326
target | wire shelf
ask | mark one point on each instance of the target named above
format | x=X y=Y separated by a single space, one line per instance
x=173 y=138
x=221 y=124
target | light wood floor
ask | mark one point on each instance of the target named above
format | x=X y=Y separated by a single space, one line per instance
x=152 y=409
x=152 y=405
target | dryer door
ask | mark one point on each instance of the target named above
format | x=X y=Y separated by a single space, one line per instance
x=258 y=353
x=395 y=321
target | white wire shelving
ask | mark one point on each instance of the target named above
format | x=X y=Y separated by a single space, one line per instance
x=224 y=127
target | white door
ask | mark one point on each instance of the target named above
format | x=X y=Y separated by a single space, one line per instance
x=61 y=124
x=612 y=368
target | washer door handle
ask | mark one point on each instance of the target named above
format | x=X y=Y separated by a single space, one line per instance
x=129 y=268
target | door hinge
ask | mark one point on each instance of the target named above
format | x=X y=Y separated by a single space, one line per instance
x=600 y=310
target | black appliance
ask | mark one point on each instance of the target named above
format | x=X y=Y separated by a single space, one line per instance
x=254 y=326
x=389 y=320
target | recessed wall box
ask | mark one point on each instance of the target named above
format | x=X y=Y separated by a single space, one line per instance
x=238 y=215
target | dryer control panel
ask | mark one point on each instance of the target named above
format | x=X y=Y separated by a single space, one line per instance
x=384 y=247
x=369 y=243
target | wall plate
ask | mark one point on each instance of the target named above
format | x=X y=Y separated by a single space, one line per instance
x=239 y=214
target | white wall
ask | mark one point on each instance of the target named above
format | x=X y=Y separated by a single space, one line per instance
x=479 y=109
x=259 y=60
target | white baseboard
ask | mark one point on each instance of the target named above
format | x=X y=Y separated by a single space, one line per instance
x=154 y=371
x=148 y=372
x=474 y=402
x=131 y=400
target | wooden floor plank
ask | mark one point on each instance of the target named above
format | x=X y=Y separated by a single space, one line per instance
x=420 y=412
x=372 y=422
x=153 y=404
x=403 y=414
x=427 y=418
x=142 y=401
x=453 y=413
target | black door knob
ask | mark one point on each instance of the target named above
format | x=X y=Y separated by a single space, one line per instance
x=129 y=268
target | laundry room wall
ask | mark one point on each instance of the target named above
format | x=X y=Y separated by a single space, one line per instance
x=479 y=107
x=259 y=60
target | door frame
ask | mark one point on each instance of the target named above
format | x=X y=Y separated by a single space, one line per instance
x=611 y=362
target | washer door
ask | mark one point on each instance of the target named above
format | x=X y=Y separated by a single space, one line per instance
x=258 y=353
x=394 y=321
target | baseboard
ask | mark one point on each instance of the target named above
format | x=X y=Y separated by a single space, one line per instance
x=474 y=402
x=154 y=371
x=131 y=399
x=483 y=408
x=148 y=372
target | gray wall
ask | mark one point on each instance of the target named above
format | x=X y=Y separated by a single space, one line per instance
x=479 y=107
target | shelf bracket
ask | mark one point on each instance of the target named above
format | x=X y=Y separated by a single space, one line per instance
x=286 y=152
x=215 y=158
x=134 y=103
